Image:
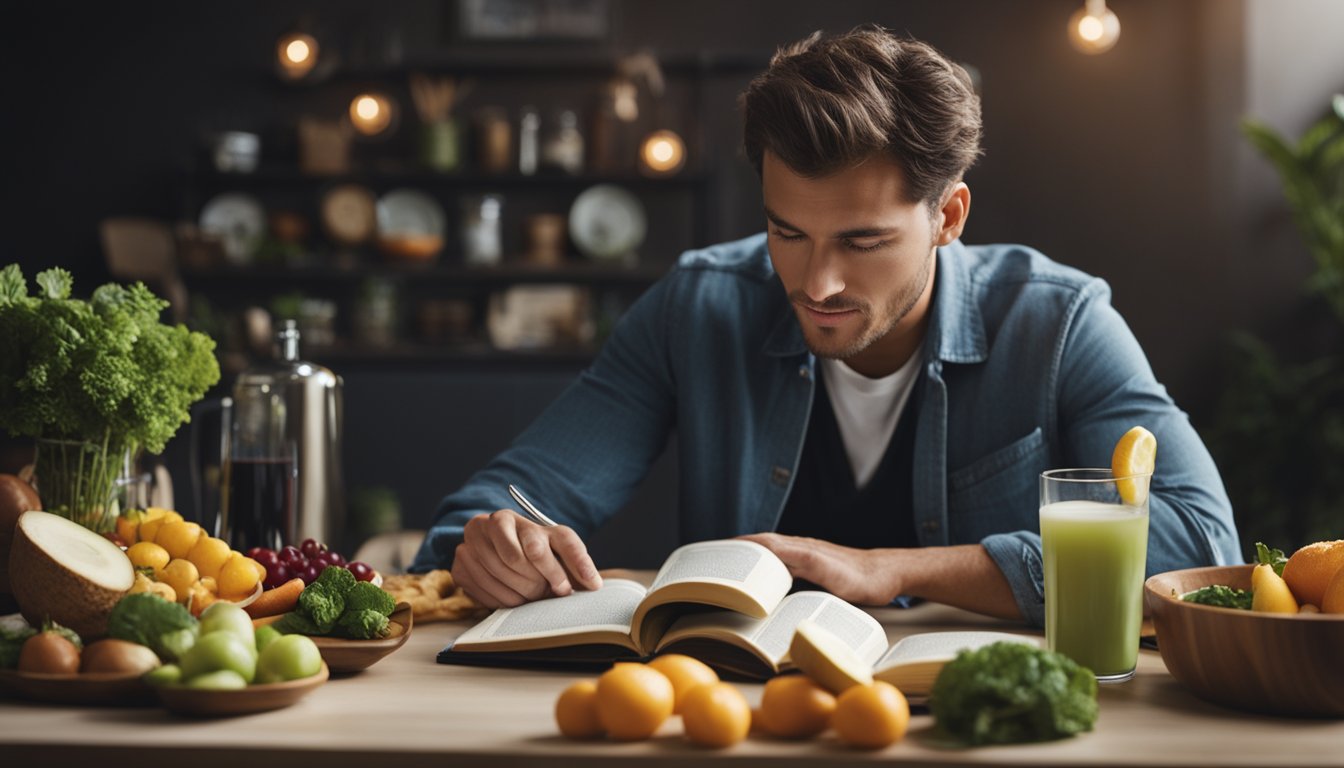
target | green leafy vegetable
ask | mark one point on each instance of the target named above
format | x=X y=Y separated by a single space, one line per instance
x=145 y=618
x=13 y=632
x=323 y=604
x=296 y=623
x=365 y=595
x=1006 y=693
x=1221 y=596
x=337 y=603
x=364 y=624
x=336 y=579
x=1266 y=556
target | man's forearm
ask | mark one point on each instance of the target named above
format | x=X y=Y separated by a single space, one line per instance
x=963 y=576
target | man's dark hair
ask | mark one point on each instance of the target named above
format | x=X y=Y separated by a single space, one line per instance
x=828 y=103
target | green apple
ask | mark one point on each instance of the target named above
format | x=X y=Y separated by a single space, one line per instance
x=228 y=617
x=221 y=649
x=265 y=636
x=289 y=657
x=221 y=680
x=168 y=674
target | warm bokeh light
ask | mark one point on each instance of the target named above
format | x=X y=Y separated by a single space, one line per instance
x=371 y=113
x=296 y=54
x=1094 y=28
x=663 y=152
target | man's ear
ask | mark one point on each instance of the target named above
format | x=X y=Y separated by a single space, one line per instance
x=956 y=208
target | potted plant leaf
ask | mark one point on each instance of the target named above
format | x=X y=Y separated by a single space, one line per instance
x=93 y=382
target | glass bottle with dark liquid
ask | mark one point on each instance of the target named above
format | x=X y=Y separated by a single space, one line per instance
x=260 y=495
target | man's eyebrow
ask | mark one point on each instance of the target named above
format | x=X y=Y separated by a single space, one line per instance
x=857 y=232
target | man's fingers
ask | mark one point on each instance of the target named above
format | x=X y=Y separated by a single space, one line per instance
x=536 y=546
x=799 y=555
x=571 y=551
x=488 y=590
x=504 y=529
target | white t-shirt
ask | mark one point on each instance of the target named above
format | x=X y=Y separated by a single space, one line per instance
x=867 y=410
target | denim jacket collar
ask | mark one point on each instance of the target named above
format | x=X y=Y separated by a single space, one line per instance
x=955 y=326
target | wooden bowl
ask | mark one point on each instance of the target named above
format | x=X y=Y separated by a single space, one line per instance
x=253 y=698
x=1280 y=664
x=411 y=249
x=91 y=688
x=344 y=656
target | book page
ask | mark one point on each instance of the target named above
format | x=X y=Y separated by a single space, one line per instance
x=743 y=566
x=607 y=610
x=913 y=663
x=769 y=638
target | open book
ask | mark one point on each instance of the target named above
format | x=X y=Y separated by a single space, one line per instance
x=723 y=602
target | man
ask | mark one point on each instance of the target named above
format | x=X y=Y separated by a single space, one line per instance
x=854 y=389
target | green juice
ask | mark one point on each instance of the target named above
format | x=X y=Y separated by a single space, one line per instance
x=1094 y=557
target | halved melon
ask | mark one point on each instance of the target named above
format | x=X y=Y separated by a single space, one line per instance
x=61 y=570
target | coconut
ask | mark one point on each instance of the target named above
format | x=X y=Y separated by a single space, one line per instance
x=61 y=570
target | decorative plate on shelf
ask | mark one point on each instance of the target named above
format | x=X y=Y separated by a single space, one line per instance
x=240 y=223
x=348 y=214
x=409 y=213
x=607 y=222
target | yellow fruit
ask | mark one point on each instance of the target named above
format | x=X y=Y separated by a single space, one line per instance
x=209 y=555
x=238 y=577
x=199 y=598
x=715 y=715
x=1333 y=602
x=576 y=711
x=154 y=519
x=178 y=537
x=259 y=568
x=1310 y=569
x=871 y=716
x=1132 y=464
x=147 y=554
x=209 y=585
x=1270 y=593
x=128 y=525
x=684 y=673
x=180 y=575
x=633 y=700
x=794 y=707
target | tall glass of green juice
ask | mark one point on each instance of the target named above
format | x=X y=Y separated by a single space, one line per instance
x=1094 y=547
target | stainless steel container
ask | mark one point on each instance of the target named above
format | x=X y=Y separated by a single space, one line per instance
x=306 y=399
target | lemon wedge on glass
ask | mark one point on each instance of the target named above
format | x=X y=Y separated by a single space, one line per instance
x=1132 y=464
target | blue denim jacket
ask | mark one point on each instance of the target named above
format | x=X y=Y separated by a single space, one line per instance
x=1026 y=367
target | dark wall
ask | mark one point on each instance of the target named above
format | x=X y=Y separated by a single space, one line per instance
x=1116 y=164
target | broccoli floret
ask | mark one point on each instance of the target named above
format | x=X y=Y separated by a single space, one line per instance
x=295 y=623
x=336 y=579
x=147 y=619
x=364 y=624
x=1012 y=692
x=365 y=596
x=321 y=604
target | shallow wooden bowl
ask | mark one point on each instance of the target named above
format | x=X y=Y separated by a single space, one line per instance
x=96 y=688
x=1263 y=662
x=253 y=698
x=345 y=656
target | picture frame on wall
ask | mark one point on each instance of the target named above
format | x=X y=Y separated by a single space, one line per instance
x=533 y=20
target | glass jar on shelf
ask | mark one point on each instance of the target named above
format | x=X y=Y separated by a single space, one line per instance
x=482 y=240
x=563 y=149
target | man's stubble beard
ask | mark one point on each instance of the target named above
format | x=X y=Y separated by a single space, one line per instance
x=898 y=308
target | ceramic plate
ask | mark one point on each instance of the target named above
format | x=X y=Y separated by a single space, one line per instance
x=407 y=213
x=240 y=223
x=353 y=655
x=607 y=222
x=104 y=688
x=348 y=214
x=253 y=698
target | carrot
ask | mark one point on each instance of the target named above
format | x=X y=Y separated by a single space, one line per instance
x=282 y=599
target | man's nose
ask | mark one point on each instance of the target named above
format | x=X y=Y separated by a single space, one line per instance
x=822 y=278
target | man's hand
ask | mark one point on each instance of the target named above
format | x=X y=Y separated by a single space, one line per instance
x=859 y=576
x=505 y=560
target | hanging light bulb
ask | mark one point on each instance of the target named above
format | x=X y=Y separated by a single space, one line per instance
x=662 y=153
x=296 y=55
x=1094 y=28
x=371 y=113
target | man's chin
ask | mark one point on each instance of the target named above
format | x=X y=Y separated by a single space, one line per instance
x=826 y=343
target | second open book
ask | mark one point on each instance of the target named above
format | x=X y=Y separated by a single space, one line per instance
x=723 y=602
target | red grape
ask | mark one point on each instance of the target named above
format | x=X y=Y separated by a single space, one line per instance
x=335 y=558
x=361 y=571
x=291 y=556
x=311 y=548
x=266 y=557
x=276 y=575
x=311 y=572
x=255 y=553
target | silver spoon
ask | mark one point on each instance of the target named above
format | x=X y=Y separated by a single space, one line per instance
x=530 y=508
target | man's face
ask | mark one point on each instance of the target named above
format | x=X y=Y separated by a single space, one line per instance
x=855 y=256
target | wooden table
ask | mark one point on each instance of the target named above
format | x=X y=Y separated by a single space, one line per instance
x=409 y=711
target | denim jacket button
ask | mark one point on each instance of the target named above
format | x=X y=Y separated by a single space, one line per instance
x=779 y=475
x=803 y=372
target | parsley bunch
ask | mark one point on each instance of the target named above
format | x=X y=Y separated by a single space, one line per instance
x=102 y=370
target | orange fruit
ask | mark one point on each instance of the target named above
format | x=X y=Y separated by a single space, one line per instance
x=1132 y=463
x=1333 y=601
x=237 y=577
x=871 y=716
x=1309 y=570
x=684 y=673
x=633 y=700
x=576 y=711
x=180 y=575
x=178 y=537
x=794 y=707
x=154 y=519
x=715 y=715
x=209 y=555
